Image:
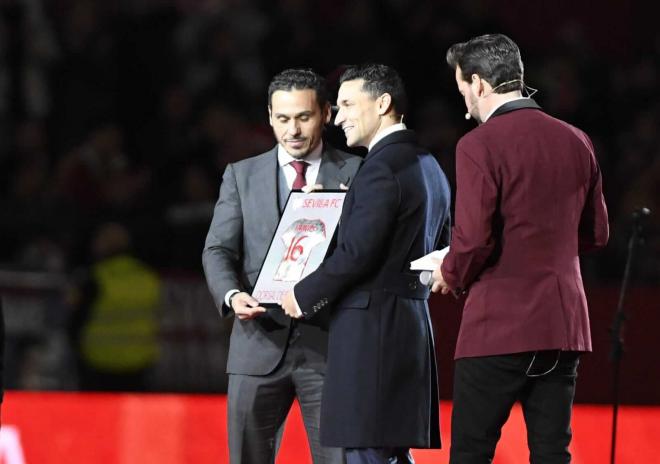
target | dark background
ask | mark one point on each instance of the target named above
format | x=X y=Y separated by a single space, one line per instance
x=130 y=110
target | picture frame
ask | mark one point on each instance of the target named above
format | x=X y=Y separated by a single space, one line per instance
x=300 y=243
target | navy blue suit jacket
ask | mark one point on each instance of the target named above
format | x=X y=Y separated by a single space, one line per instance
x=381 y=385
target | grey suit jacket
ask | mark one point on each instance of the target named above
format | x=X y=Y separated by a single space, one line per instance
x=244 y=221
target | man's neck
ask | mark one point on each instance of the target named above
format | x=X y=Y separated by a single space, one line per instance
x=496 y=100
x=384 y=131
x=313 y=155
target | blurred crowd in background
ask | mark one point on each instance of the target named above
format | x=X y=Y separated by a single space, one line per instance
x=118 y=118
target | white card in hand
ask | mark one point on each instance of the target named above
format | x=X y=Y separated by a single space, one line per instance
x=429 y=262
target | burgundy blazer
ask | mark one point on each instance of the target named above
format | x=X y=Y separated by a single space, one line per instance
x=529 y=200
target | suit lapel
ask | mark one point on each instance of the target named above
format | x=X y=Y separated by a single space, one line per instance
x=264 y=181
x=331 y=172
x=401 y=136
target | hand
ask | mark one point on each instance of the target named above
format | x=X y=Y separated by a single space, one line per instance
x=439 y=284
x=343 y=187
x=245 y=306
x=288 y=304
x=311 y=188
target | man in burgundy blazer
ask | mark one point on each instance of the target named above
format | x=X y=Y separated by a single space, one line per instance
x=529 y=200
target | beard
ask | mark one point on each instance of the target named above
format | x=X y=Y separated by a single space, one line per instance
x=474 y=108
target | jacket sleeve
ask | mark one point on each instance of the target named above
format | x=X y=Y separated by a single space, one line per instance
x=593 y=231
x=365 y=234
x=224 y=241
x=472 y=240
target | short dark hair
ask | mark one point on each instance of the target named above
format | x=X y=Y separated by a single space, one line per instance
x=493 y=57
x=379 y=79
x=299 y=79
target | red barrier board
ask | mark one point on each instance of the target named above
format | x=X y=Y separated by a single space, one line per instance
x=77 y=428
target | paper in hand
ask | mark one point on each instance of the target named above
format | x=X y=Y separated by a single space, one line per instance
x=429 y=262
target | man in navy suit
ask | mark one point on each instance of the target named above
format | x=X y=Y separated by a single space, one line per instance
x=529 y=199
x=380 y=395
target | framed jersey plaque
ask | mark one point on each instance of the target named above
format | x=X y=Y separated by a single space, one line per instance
x=300 y=243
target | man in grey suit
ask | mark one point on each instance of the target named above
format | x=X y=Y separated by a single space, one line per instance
x=272 y=359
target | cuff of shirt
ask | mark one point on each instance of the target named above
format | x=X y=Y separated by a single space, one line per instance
x=229 y=294
x=298 y=310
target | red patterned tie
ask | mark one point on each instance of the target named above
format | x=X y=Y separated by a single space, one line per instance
x=300 y=167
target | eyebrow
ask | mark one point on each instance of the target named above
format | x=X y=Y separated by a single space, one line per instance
x=297 y=115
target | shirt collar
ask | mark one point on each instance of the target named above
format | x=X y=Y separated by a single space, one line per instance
x=314 y=157
x=498 y=106
x=385 y=132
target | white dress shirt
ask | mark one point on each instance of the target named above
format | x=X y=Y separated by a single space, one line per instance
x=385 y=132
x=313 y=160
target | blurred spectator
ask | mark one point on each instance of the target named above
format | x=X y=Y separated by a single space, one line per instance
x=115 y=320
x=28 y=211
x=219 y=44
x=189 y=216
x=85 y=80
x=87 y=176
x=644 y=193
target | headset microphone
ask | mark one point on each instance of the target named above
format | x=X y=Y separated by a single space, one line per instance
x=468 y=115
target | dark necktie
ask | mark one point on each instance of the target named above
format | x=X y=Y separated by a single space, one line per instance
x=300 y=167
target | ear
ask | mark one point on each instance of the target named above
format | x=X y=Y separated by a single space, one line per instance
x=485 y=88
x=326 y=113
x=480 y=84
x=270 y=116
x=385 y=104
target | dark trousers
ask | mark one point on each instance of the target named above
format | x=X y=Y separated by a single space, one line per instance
x=257 y=407
x=485 y=390
x=378 y=456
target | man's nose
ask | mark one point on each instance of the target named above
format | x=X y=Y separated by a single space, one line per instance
x=294 y=127
x=339 y=118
